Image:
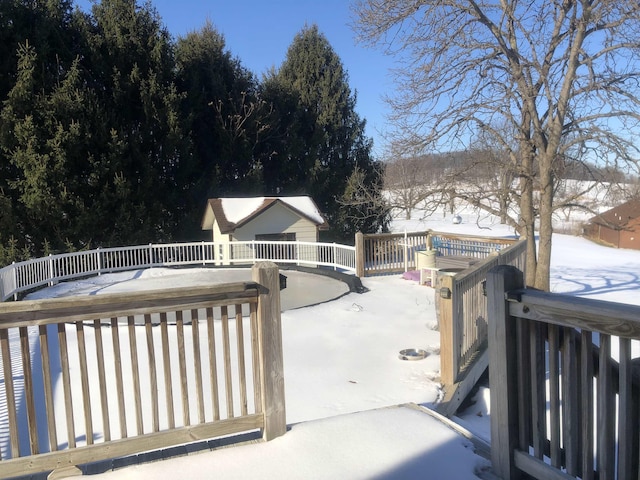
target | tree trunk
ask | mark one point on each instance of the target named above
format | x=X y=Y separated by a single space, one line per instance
x=546 y=226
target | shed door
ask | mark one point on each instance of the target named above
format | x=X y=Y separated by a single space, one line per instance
x=277 y=251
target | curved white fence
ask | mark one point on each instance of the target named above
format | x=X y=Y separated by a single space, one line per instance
x=23 y=276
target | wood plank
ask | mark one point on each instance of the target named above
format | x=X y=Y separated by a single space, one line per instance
x=102 y=380
x=554 y=396
x=87 y=308
x=242 y=373
x=166 y=364
x=502 y=367
x=84 y=381
x=153 y=375
x=448 y=371
x=118 y=448
x=226 y=355
x=606 y=411
x=28 y=392
x=213 y=365
x=625 y=417
x=197 y=364
x=455 y=394
x=10 y=395
x=586 y=403
x=570 y=403
x=182 y=364
x=45 y=359
x=525 y=393
x=66 y=385
x=538 y=468
x=610 y=318
x=270 y=335
x=255 y=355
x=117 y=357
x=538 y=391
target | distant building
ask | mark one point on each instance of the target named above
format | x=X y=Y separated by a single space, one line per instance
x=262 y=219
x=618 y=227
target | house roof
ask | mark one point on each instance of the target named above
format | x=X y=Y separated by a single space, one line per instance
x=232 y=213
x=619 y=217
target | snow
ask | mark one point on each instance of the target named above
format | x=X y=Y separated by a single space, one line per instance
x=237 y=209
x=344 y=380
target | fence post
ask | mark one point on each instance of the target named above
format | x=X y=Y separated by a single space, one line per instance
x=448 y=350
x=503 y=369
x=270 y=339
x=359 y=254
x=51 y=273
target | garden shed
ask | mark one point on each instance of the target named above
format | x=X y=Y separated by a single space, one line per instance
x=618 y=227
x=262 y=219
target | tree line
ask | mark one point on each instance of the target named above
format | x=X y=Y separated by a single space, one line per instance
x=112 y=132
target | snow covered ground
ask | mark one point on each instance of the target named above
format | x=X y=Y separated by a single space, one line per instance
x=342 y=368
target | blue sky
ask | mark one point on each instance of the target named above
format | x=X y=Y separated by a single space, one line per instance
x=259 y=33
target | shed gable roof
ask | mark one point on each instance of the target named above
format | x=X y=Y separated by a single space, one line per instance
x=619 y=217
x=232 y=213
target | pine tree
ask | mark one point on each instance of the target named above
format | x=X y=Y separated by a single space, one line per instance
x=331 y=133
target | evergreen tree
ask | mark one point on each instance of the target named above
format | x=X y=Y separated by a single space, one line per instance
x=223 y=117
x=332 y=133
x=140 y=145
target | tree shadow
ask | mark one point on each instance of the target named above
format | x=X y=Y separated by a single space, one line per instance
x=586 y=281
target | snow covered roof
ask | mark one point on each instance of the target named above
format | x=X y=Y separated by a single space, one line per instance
x=232 y=213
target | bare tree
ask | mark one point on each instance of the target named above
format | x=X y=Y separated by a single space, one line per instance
x=562 y=75
x=408 y=182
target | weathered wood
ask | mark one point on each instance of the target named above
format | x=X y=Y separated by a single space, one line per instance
x=84 y=382
x=45 y=359
x=102 y=380
x=270 y=333
x=448 y=350
x=12 y=413
x=26 y=466
x=166 y=364
x=83 y=308
x=242 y=373
x=359 y=240
x=538 y=468
x=554 y=396
x=66 y=385
x=606 y=412
x=153 y=374
x=76 y=371
x=625 y=408
x=27 y=376
x=197 y=363
x=455 y=394
x=586 y=403
x=122 y=415
x=586 y=314
x=182 y=364
x=213 y=367
x=570 y=403
x=502 y=376
x=226 y=354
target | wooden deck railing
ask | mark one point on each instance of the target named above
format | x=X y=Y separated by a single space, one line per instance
x=463 y=324
x=395 y=252
x=96 y=377
x=24 y=276
x=565 y=387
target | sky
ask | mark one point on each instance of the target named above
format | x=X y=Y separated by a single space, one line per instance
x=345 y=383
x=259 y=33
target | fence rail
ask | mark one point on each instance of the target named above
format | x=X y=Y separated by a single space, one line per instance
x=462 y=307
x=91 y=378
x=564 y=381
x=24 y=276
x=396 y=252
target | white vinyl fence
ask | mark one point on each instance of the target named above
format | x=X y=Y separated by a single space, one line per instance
x=23 y=276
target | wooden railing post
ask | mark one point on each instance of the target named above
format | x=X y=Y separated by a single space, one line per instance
x=270 y=338
x=359 y=254
x=503 y=369
x=448 y=350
